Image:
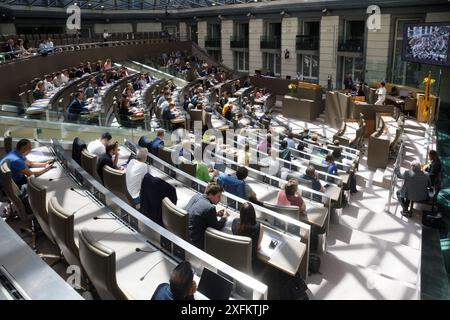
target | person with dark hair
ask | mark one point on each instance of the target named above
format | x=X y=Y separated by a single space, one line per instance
x=76 y=107
x=290 y=197
x=106 y=159
x=332 y=167
x=337 y=153
x=433 y=168
x=98 y=147
x=20 y=165
x=202 y=214
x=290 y=140
x=242 y=174
x=181 y=285
x=247 y=226
x=285 y=154
x=310 y=174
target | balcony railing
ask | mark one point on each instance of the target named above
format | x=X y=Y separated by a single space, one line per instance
x=351 y=45
x=212 y=42
x=270 y=42
x=238 y=42
x=306 y=42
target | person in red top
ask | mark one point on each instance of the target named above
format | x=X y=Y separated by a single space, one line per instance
x=290 y=197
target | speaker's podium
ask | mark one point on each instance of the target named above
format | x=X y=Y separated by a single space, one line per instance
x=433 y=102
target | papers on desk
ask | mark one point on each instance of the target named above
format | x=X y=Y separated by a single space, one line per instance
x=270 y=245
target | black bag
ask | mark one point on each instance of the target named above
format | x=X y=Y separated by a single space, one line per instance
x=294 y=289
x=314 y=264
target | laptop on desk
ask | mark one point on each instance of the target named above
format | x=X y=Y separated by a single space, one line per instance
x=214 y=286
x=403 y=94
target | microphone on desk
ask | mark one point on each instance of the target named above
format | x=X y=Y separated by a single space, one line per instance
x=83 y=195
x=104 y=218
x=143 y=277
x=146 y=251
x=54 y=179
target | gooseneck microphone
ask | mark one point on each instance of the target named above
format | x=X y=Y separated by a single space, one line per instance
x=83 y=195
x=146 y=251
x=143 y=277
x=104 y=218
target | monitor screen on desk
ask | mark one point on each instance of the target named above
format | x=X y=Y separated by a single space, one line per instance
x=214 y=286
x=403 y=93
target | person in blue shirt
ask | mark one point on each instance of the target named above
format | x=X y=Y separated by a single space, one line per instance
x=181 y=285
x=20 y=165
x=332 y=167
x=157 y=143
x=76 y=107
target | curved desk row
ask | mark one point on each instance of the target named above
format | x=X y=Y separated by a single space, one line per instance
x=138 y=273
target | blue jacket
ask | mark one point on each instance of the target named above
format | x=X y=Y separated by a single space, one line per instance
x=74 y=110
x=163 y=292
x=232 y=185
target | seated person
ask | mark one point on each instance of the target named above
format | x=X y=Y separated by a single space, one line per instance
x=48 y=83
x=332 y=167
x=227 y=111
x=394 y=91
x=20 y=165
x=39 y=91
x=310 y=174
x=168 y=113
x=242 y=189
x=247 y=226
x=337 y=154
x=202 y=214
x=77 y=107
x=290 y=140
x=305 y=134
x=205 y=172
x=290 y=197
x=285 y=154
x=360 y=90
x=157 y=143
x=433 y=168
x=106 y=159
x=125 y=112
x=265 y=144
x=181 y=285
x=136 y=170
x=314 y=139
x=415 y=186
x=92 y=89
x=243 y=156
x=98 y=147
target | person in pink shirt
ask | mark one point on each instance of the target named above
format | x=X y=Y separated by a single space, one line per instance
x=290 y=197
x=107 y=64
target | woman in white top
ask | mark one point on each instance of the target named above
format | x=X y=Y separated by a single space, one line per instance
x=136 y=170
x=381 y=92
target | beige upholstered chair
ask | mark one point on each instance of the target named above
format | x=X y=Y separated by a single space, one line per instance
x=233 y=250
x=38 y=201
x=165 y=154
x=115 y=181
x=89 y=163
x=99 y=263
x=189 y=168
x=61 y=227
x=175 y=219
x=12 y=193
x=291 y=211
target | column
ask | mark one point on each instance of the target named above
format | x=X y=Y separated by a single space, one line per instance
x=377 y=51
x=202 y=29
x=256 y=28
x=227 y=53
x=183 y=31
x=329 y=28
x=289 y=30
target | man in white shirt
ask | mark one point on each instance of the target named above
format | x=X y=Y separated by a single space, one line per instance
x=381 y=92
x=48 y=84
x=136 y=170
x=98 y=147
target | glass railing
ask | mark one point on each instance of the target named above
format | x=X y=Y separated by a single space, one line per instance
x=21 y=127
x=212 y=43
x=239 y=42
x=305 y=42
x=351 y=45
x=270 y=42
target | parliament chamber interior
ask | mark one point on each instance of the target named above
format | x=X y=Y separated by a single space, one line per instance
x=224 y=150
